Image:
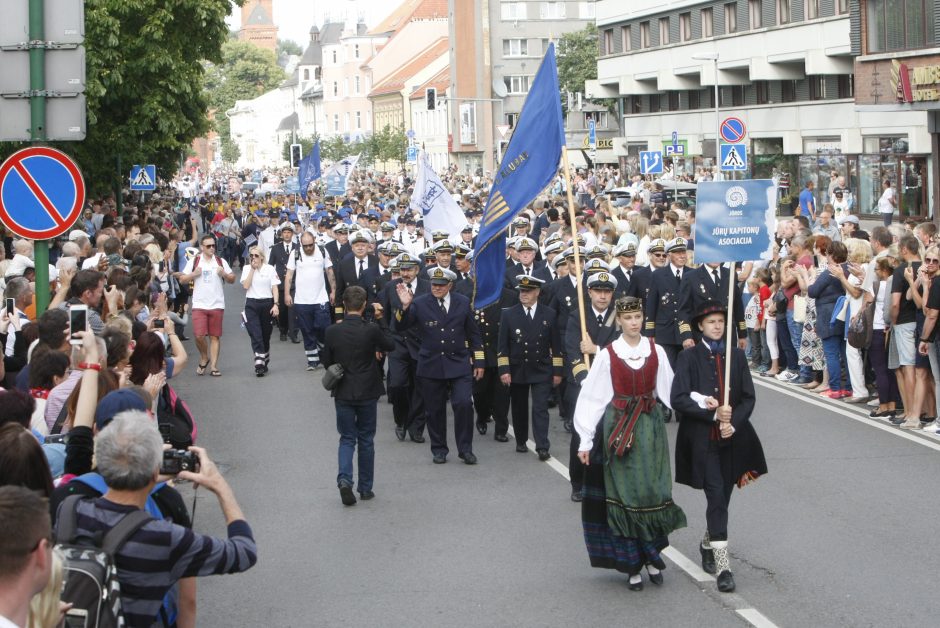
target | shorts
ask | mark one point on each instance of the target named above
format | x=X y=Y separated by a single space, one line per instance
x=207 y=323
x=906 y=345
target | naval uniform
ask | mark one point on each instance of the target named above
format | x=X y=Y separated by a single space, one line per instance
x=530 y=352
x=661 y=308
x=407 y=402
x=639 y=283
x=698 y=288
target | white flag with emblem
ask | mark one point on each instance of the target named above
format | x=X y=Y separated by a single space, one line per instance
x=432 y=202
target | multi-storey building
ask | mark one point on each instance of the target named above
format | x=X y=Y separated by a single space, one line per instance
x=346 y=84
x=784 y=67
x=258 y=25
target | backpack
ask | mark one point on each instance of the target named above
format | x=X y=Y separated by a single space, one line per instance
x=91 y=582
x=218 y=260
x=174 y=419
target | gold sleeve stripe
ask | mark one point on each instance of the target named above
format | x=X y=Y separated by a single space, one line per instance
x=579 y=368
x=557 y=362
x=684 y=327
x=651 y=324
x=478 y=355
x=502 y=361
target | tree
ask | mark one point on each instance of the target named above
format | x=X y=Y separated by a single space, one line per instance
x=144 y=73
x=577 y=62
x=288 y=47
x=306 y=147
x=390 y=145
x=230 y=151
x=243 y=72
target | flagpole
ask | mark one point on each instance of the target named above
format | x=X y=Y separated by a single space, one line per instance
x=577 y=251
x=729 y=328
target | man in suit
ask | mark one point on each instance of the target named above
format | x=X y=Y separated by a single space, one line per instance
x=662 y=302
x=625 y=254
x=461 y=263
x=527 y=265
x=600 y=324
x=278 y=257
x=353 y=343
x=339 y=247
x=529 y=361
x=359 y=269
x=443 y=253
x=407 y=403
x=450 y=357
x=707 y=284
x=643 y=275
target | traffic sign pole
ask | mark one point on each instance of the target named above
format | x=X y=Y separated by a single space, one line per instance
x=37 y=133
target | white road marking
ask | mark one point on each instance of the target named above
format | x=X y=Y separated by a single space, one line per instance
x=880 y=424
x=680 y=560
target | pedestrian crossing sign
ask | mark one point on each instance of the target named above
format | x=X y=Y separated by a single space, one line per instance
x=144 y=178
x=733 y=157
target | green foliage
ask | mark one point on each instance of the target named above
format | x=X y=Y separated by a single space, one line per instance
x=390 y=145
x=144 y=68
x=243 y=72
x=577 y=62
x=230 y=151
x=306 y=147
x=288 y=46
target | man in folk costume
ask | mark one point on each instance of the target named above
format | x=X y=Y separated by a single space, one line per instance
x=716 y=446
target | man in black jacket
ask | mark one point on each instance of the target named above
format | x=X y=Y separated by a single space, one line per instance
x=359 y=269
x=278 y=257
x=353 y=344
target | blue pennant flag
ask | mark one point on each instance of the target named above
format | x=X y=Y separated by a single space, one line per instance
x=529 y=165
x=309 y=169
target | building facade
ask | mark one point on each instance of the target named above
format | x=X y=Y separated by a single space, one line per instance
x=430 y=125
x=784 y=67
x=258 y=25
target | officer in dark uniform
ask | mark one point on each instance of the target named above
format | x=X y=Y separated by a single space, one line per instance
x=461 y=265
x=339 y=247
x=662 y=302
x=526 y=249
x=530 y=360
x=625 y=254
x=278 y=257
x=643 y=275
x=444 y=253
x=387 y=251
x=407 y=402
x=707 y=284
x=600 y=322
x=359 y=269
x=547 y=272
x=449 y=358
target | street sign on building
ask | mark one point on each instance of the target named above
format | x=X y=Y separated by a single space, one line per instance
x=42 y=193
x=592 y=134
x=412 y=154
x=733 y=130
x=733 y=157
x=144 y=178
x=674 y=150
x=651 y=162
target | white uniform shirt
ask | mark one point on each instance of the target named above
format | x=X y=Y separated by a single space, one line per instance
x=262 y=283
x=266 y=241
x=207 y=287
x=309 y=284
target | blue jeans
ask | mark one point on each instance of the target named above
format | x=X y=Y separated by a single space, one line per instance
x=355 y=422
x=796 y=337
x=312 y=320
x=788 y=358
x=833 y=349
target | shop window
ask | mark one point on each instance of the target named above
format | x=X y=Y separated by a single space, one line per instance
x=886 y=145
x=708 y=22
x=900 y=24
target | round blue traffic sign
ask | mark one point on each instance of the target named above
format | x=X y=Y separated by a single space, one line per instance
x=42 y=193
x=733 y=130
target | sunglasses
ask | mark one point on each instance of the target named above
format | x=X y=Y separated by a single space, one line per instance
x=255 y=255
x=931 y=260
x=208 y=246
x=659 y=255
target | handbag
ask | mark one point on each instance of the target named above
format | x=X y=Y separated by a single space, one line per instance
x=799 y=308
x=332 y=376
x=861 y=327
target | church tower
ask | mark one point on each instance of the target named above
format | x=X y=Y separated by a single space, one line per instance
x=258 y=24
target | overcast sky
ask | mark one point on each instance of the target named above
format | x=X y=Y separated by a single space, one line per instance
x=295 y=17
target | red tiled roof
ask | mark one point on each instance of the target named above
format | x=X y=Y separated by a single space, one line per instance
x=396 y=82
x=410 y=10
x=440 y=82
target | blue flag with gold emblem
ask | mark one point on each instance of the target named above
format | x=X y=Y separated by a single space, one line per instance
x=309 y=169
x=529 y=165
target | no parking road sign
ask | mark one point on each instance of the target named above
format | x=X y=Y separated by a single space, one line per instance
x=733 y=130
x=41 y=193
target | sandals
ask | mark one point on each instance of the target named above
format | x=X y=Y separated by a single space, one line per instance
x=201 y=369
x=215 y=373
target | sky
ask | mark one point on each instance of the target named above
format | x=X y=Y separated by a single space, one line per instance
x=295 y=17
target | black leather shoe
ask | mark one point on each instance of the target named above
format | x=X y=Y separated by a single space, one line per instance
x=655 y=578
x=708 y=560
x=182 y=337
x=295 y=340
x=543 y=454
x=725 y=582
x=400 y=432
x=366 y=496
x=576 y=495
x=440 y=458
x=502 y=438
x=481 y=428
x=635 y=586
x=568 y=424
x=416 y=438
x=522 y=449
x=283 y=337
x=259 y=370
x=468 y=458
x=346 y=494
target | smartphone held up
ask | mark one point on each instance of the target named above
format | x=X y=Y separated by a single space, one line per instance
x=78 y=321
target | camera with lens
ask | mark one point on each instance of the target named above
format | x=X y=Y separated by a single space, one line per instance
x=176 y=460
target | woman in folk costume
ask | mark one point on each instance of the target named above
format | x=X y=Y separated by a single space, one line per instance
x=716 y=447
x=627 y=510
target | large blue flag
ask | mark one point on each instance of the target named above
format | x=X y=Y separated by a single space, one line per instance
x=530 y=164
x=309 y=169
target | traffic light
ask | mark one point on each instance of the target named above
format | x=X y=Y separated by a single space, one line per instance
x=296 y=154
x=432 y=98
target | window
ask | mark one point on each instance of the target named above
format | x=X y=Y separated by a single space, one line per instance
x=645 y=35
x=334 y=56
x=788 y=91
x=517 y=84
x=545 y=43
x=625 y=42
x=673 y=101
x=783 y=12
x=708 y=22
x=842 y=6
x=663 y=31
x=608 y=41
x=737 y=95
x=762 y=92
x=599 y=117
x=356 y=51
x=753 y=10
x=817 y=88
x=512 y=10
x=731 y=17
x=552 y=10
x=358 y=120
x=685 y=26
x=846 y=86
x=812 y=9
x=336 y=122
x=695 y=101
x=335 y=88
x=512 y=119
x=586 y=10
x=515 y=47
x=358 y=86
x=655 y=103
x=900 y=24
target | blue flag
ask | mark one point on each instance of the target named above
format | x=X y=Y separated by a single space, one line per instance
x=309 y=169
x=529 y=165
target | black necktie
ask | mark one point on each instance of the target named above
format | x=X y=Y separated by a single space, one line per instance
x=715 y=275
x=443 y=307
x=410 y=291
x=526 y=269
x=361 y=268
x=600 y=319
x=629 y=274
x=678 y=274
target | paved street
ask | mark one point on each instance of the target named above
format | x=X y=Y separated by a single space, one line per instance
x=839 y=534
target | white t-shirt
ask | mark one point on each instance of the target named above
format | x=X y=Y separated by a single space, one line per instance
x=262 y=283
x=884 y=203
x=309 y=284
x=207 y=287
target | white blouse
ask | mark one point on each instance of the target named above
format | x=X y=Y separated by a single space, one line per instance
x=597 y=389
x=262 y=282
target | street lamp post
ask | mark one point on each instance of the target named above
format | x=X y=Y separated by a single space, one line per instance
x=713 y=57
